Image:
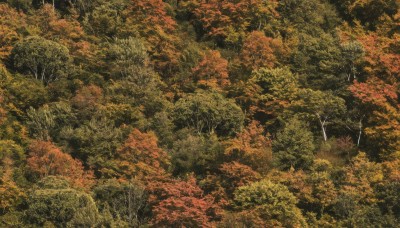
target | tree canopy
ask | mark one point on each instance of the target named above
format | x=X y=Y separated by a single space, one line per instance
x=199 y=113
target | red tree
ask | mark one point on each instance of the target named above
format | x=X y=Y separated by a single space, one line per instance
x=179 y=203
x=381 y=100
x=212 y=71
x=46 y=159
x=252 y=147
x=381 y=56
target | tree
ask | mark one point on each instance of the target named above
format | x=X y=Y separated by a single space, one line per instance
x=324 y=193
x=178 y=203
x=381 y=56
x=126 y=56
x=65 y=31
x=11 y=159
x=251 y=147
x=353 y=53
x=293 y=146
x=277 y=84
x=356 y=201
x=361 y=176
x=94 y=142
x=269 y=204
x=367 y=11
x=125 y=200
x=45 y=123
x=26 y=92
x=260 y=51
x=152 y=21
x=44 y=59
x=319 y=61
x=140 y=157
x=383 y=129
x=234 y=175
x=208 y=112
x=273 y=90
x=321 y=106
x=41 y=122
x=105 y=19
x=308 y=16
x=53 y=202
x=87 y=100
x=227 y=21
x=46 y=159
x=212 y=71
x=197 y=154
x=12 y=26
x=136 y=83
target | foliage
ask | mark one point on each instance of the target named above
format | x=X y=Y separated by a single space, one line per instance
x=227 y=21
x=293 y=146
x=140 y=156
x=124 y=200
x=251 y=147
x=94 y=143
x=180 y=204
x=45 y=159
x=54 y=202
x=212 y=71
x=12 y=24
x=45 y=60
x=260 y=51
x=11 y=155
x=269 y=204
x=208 y=112
x=199 y=113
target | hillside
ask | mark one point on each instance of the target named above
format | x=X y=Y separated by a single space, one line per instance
x=199 y=113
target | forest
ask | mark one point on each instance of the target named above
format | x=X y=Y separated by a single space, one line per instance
x=199 y=113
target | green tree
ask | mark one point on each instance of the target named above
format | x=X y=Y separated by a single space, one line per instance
x=125 y=200
x=198 y=154
x=94 y=142
x=369 y=12
x=293 y=146
x=322 y=107
x=136 y=83
x=126 y=56
x=12 y=158
x=53 y=201
x=44 y=59
x=25 y=93
x=269 y=204
x=46 y=122
x=208 y=112
x=105 y=19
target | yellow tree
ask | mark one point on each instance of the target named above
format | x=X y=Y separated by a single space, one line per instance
x=151 y=20
x=12 y=26
x=11 y=156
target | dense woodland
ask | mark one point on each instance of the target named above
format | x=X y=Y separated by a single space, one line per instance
x=199 y=113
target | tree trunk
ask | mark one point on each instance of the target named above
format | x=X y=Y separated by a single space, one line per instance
x=323 y=127
x=360 y=131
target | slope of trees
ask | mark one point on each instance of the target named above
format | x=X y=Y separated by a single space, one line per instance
x=199 y=113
